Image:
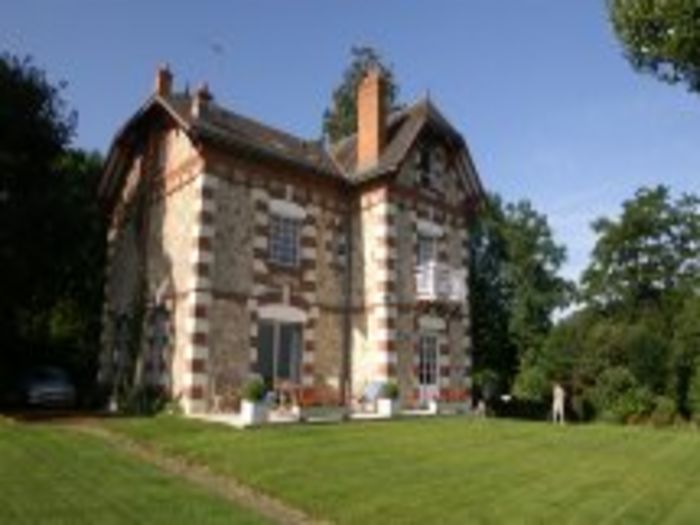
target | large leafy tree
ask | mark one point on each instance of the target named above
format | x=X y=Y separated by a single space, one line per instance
x=51 y=231
x=650 y=255
x=491 y=297
x=686 y=357
x=514 y=287
x=533 y=264
x=633 y=349
x=34 y=130
x=340 y=119
x=661 y=37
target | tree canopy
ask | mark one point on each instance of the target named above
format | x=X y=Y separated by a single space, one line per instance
x=51 y=239
x=632 y=351
x=514 y=287
x=340 y=119
x=661 y=37
x=649 y=254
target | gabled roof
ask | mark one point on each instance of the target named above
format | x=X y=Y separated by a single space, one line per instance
x=222 y=126
x=403 y=128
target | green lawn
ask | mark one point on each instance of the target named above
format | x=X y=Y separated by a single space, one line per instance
x=452 y=470
x=50 y=475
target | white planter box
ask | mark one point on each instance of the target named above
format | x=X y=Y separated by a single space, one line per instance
x=434 y=406
x=387 y=407
x=253 y=412
x=323 y=413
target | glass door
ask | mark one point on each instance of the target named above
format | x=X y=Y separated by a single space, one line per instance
x=428 y=368
x=279 y=353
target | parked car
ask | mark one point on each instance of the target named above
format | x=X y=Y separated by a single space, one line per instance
x=49 y=387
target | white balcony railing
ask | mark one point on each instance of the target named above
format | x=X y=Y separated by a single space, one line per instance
x=440 y=282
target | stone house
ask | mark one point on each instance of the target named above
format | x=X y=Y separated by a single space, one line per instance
x=236 y=249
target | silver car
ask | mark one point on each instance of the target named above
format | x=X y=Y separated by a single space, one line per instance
x=49 y=386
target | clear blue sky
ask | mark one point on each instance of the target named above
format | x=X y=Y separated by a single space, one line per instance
x=539 y=88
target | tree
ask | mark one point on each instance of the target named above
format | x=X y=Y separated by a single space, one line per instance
x=340 y=120
x=661 y=37
x=51 y=230
x=490 y=295
x=649 y=256
x=514 y=287
x=632 y=349
x=686 y=357
x=532 y=266
x=34 y=129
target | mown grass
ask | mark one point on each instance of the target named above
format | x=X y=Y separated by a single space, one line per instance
x=452 y=470
x=57 y=476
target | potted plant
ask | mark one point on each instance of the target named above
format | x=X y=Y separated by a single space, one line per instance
x=434 y=405
x=253 y=406
x=388 y=401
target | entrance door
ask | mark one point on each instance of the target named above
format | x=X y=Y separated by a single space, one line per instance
x=279 y=353
x=428 y=368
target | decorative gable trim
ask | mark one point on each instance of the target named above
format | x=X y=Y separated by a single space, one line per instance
x=287 y=209
x=429 y=229
x=282 y=312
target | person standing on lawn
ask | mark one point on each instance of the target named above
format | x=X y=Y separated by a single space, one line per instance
x=558 y=398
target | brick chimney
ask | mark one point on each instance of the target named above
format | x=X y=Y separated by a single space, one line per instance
x=371 y=118
x=164 y=81
x=202 y=97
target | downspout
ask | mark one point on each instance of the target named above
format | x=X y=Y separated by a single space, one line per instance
x=346 y=385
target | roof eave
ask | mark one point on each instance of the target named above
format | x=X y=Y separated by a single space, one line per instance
x=119 y=139
x=204 y=133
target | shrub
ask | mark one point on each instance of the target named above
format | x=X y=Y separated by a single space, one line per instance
x=390 y=390
x=665 y=411
x=144 y=400
x=617 y=397
x=254 y=390
x=532 y=384
x=694 y=395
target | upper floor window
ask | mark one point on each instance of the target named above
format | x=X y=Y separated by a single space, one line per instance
x=425 y=171
x=430 y=165
x=426 y=250
x=284 y=240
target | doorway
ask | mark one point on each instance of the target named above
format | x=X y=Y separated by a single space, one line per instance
x=279 y=354
x=428 y=388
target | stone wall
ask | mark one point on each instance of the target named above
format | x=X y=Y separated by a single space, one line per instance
x=150 y=246
x=254 y=287
x=206 y=258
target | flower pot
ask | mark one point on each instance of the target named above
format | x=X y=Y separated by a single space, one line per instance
x=387 y=407
x=253 y=412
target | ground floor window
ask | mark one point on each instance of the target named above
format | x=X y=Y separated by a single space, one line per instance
x=428 y=367
x=279 y=353
x=427 y=360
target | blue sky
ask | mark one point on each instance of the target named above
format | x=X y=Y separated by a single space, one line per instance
x=539 y=88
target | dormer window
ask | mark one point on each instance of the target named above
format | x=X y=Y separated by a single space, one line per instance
x=429 y=167
x=425 y=168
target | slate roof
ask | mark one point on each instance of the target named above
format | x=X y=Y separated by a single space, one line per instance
x=339 y=160
x=218 y=124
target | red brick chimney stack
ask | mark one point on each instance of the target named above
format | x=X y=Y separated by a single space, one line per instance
x=371 y=118
x=164 y=81
x=202 y=97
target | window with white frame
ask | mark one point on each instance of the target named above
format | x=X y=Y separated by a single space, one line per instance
x=284 y=240
x=426 y=249
x=428 y=359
